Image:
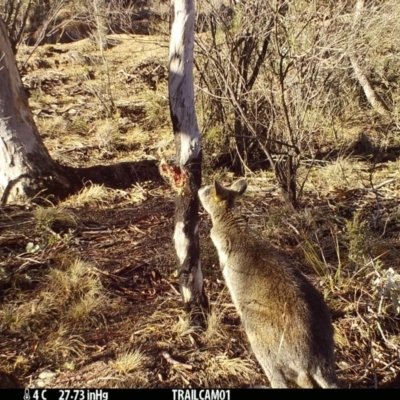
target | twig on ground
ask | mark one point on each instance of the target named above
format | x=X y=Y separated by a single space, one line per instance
x=167 y=356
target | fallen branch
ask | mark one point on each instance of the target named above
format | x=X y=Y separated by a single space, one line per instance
x=167 y=356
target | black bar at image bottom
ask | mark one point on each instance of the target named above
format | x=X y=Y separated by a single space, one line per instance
x=114 y=394
x=138 y=394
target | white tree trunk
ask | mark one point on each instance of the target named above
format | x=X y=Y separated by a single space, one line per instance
x=26 y=167
x=101 y=26
x=187 y=178
x=373 y=99
x=181 y=87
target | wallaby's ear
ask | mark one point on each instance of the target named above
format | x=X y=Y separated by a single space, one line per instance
x=239 y=187
x=221 y=193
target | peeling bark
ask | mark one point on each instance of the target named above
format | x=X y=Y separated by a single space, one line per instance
x=187 y=177
x=26 y=168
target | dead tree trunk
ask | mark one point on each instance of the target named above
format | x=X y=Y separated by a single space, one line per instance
x=186 y=175
x=376 y=103
x=101 y=24
x=26 y=168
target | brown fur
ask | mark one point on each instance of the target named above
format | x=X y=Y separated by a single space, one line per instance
x=284 y=316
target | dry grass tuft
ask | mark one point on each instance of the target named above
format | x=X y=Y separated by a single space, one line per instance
x=83 y=307
x=128 y=361
x=70 y=302
x=344 y=172
x=182 y=326
x=135 y=135
x=71 y=293
x=157 y=111
x=61 y=344
x=55 y=126
x=92 y=195
x=221 y=369
x=216 y=334
x=48 y=216
x=106 y=133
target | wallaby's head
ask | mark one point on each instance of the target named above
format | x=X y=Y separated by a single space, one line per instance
x=217 y=199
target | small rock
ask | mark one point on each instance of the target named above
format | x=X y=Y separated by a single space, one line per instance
x=46 y=375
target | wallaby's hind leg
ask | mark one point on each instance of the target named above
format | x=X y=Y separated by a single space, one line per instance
x=304 y=381
x=278 y=380
x=326 y=380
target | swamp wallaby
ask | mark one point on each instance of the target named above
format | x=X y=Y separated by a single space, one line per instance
x=284 y=316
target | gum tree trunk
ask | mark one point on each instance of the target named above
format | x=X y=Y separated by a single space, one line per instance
x=186 y=176
x=26 y=168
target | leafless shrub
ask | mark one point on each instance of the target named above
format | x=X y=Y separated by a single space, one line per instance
x=279 y=81
x=15 y=14
x=139 y=17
